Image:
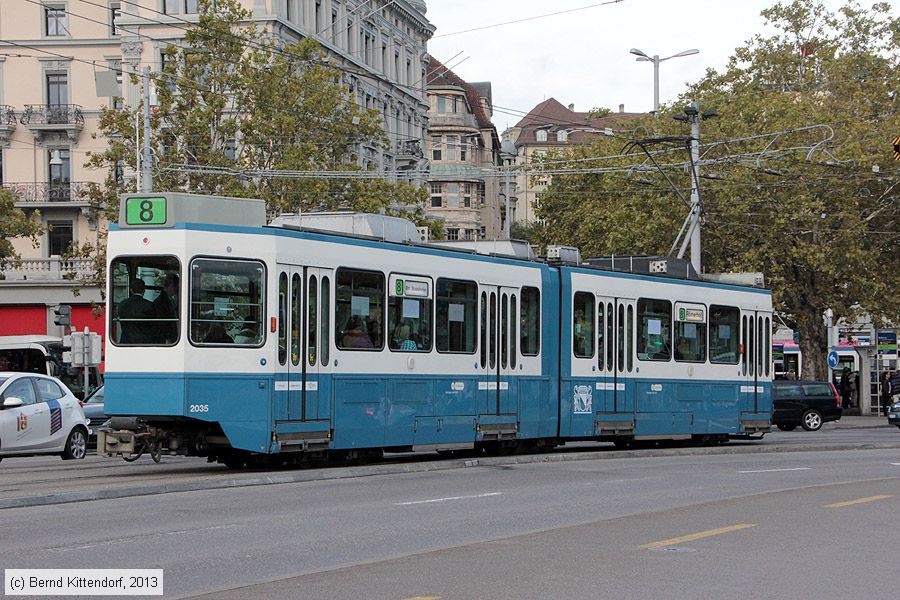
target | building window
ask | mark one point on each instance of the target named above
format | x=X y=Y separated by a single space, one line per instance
x=463 y=147
x=452 y=195
x=60 y=235
x=117 y=102
x=482 y=233
x=115 y=11
x=437 y=190
x=55 y=21
x=436 y=148
x=59 y=189
x=562 y=135
x=1 y=166
x=541 y=135
x=467 y=195
x=57 y=90
x=452 y=234
x=176 y=7
x=318 y=17
x=452 y=145
x=441 y=104
x=334 y=24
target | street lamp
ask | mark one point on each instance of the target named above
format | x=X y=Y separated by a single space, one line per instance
x=508 y=154
x=655 y=59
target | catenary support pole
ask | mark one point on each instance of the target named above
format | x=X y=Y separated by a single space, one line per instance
x=146 y=173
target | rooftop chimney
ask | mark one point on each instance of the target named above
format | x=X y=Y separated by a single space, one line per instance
x=621 y=108
x=572 y=107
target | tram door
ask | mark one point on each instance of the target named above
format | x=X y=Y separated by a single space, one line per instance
x=317 y=344
x=755 y=358
x=619 y=354
x=304 y=343
x=499 y=322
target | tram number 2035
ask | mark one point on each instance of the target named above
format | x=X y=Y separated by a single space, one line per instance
x=199 y=408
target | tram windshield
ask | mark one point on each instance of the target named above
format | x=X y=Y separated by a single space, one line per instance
x=145 y=294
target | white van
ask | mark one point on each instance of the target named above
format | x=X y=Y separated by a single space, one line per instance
x=43 y=354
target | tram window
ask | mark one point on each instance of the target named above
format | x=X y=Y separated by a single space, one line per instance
x=145 y=292
x=630 y=339
x=723 y=335
x=326 y=316
x=455 y=321
x=359 y=310
x=610 y=330
x=504 y=329
x=409 y=317
x=296 y=331
x=690 y=333
x=530 y=333
x=601 y=329
x=583 y=325
x=654 y=329
x=767 y=345
x=227 y=302
x=483 y=330
x=744 y=343
x=282 y=318
x=621 y=348
x=312 y=319
x=492 y=349
x=760 y=336
x=750 y=349
x=512 y=331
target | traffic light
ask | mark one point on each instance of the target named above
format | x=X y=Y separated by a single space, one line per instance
x=63 y=314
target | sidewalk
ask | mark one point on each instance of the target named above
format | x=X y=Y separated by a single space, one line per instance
x=857 y=422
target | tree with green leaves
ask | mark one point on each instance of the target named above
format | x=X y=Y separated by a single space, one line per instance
x=14 y=222
x=263 y=120
x=816 y=209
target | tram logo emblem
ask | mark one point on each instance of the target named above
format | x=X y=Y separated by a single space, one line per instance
x=583 y=399
x=21 y=422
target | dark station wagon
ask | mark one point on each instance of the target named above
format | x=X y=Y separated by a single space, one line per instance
x=805 y=403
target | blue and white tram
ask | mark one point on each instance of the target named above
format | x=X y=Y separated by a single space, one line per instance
x=236 y=340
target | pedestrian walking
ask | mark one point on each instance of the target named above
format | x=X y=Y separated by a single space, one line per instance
x=845 y=388
x=886 y=391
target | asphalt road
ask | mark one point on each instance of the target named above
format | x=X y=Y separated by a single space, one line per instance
x=50 y=476
x=566 y=529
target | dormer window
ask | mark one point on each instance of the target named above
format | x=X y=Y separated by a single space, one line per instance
x=562 y=135
x=541 y=135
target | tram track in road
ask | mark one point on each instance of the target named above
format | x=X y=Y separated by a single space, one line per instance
x=111 y=478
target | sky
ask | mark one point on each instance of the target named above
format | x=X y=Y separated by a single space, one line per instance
x=582 y=57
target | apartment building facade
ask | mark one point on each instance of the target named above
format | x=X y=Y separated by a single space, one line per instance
x=50 y=101
x=549 y=126
x=463 y=147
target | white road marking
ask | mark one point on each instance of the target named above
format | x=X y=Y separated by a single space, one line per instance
x=447 y=499
x=777 y=470
x=896 y=464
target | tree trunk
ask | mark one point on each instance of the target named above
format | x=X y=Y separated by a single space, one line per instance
x=813 y=344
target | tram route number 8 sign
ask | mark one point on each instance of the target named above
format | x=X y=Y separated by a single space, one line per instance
x=145 y=211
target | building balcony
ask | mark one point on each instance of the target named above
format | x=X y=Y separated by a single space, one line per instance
x=44 y=120
x=7 y=124
x=34 y=195
x=438 y=120
x=409 y=153
x=53 y=269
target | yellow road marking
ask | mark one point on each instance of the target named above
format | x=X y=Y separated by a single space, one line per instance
x=698 y=536
x=859 y=501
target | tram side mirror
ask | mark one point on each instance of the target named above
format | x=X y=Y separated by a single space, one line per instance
x=13 y=402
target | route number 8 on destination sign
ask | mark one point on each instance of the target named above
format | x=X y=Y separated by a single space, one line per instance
x=145 y=211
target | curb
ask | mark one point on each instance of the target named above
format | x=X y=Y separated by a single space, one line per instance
x=422 y=467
